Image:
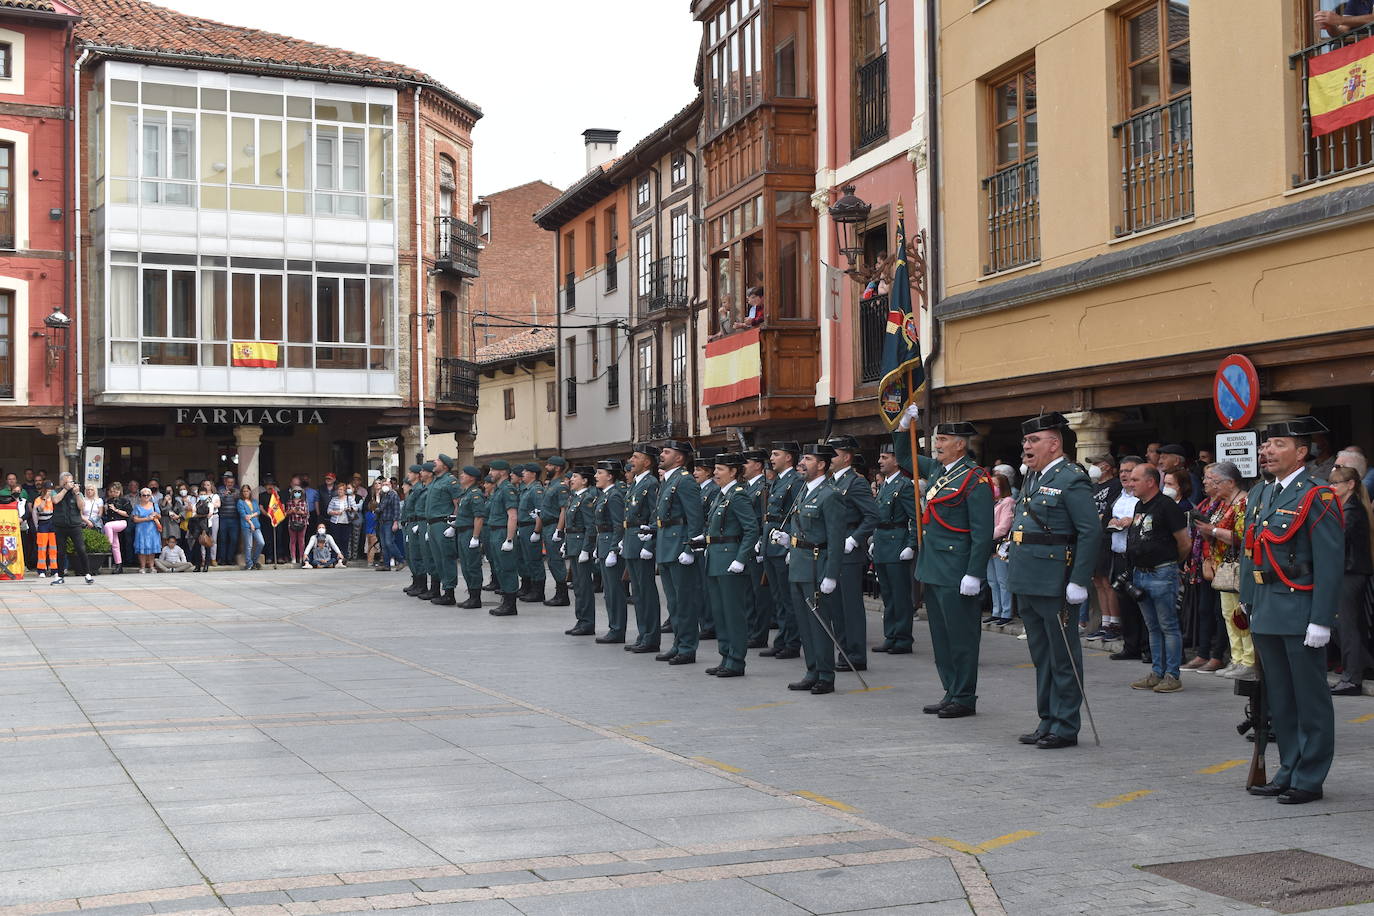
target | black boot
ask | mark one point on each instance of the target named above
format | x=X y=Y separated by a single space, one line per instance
x=491 y=586
x=474 y=600
x=416 y=585
x=560 y=596
x=431 y=591
x=507 y=608
x=526 y=585
x=535 y=592
x=445 y=598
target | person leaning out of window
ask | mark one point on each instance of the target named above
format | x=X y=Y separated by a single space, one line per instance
x=1156 y=542
x=1352 y=628
x=754 y=299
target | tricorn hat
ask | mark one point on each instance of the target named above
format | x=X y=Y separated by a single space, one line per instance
x=1298 y=426
x=614 y=465
x=729 y=459
x=679 y=445
x=848 y=443
x=645 y=449
x=959 y=428
x=1053 y=421
x=820 y=450
x=787 y=445
x=755 y=454
x=583 y=470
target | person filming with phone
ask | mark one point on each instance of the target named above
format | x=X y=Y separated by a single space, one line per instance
x=1157 y=540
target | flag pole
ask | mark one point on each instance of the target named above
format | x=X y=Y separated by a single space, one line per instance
x=912 y=430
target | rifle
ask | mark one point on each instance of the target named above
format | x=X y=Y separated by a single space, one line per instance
x=1256 y=718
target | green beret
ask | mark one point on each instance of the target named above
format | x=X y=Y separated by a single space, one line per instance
x=415 y=469
x=532 y=468
x=557 y=461
x=446 y=459
x=500 y=464
x=472 y=471
x=428 y=466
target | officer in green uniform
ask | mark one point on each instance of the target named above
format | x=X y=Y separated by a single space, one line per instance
x=814 y=533
x=1290 y=582
x=441 y=501
x=678 y=519
x=759 y=599
x=957 y=520
x=1054 y=540
x=410 y=529
x=467 y=532
x=550 y=525
x=860 y=518
x=501 y=528
x=579 y=538
x=530 y=542
x=701 y=472
x=636 y=550
x=610 y=536
x=787 y=482
x=893 y=551
x=421 y=526
x=732 y=533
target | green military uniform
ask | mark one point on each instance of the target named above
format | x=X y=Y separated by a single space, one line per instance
x=472 y=505
x=503 y=499
x=553 y=504
x=782 y=492
x=732 y=530
x=815 y=524
x=1054 y=540
x=443 y=552
x=709 y=492
x=610 y=535
x=860 y=519
x=529 y=543
x=432 y=588
x=678 y=519
x=639 y=514
x=759 y=599
x=896 y=534
x=579 y=536
x=1291 y=576
x=410 y=534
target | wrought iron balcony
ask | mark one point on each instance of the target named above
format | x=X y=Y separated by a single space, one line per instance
x=457 y=382
x=1345 y=149
x=613 y=385
x=612 y=271
x=871 y=97
x=457 y=246
x=1013 y=217
x=570 y=396
x=667 y=287
x=570 y=292
x=872 y=334
x=663 y=411
x=1156 y=166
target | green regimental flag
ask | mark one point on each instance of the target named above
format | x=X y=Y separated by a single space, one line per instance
x=901 y=345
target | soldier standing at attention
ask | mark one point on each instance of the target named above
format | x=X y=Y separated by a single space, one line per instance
x=1054 y=542
x=787 y=482
x=441 y=501
x=467 y=532
x=1290 y=583
x=610 y=535
x=421 y=525
x=813 y=533
x=701 y=472
x=531 y=543
x=860 y=514
x=501 y=530
x=578 y=539
x=732 y=532
x=410 y=526
x=552 y=520
x=894 y=549
x=637 y=547
x=678 y=519
x=760 y=601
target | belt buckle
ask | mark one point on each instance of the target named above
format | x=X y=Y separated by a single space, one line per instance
x=1016 y=536
x=1259 y=576
x=794 y=540
x=659 y=521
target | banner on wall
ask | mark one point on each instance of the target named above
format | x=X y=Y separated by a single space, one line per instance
x=95 y=468
x=11 y=545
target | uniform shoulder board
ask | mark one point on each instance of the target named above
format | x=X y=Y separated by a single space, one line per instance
x=1078 y=468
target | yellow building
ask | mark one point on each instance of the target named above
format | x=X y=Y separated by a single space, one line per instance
x=517 y=398
x=1130 y=192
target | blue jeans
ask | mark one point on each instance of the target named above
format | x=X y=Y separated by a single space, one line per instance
x=386 y=538
x=252 y=545
x=228 y=544
x=1159 y=608
x=997 y=582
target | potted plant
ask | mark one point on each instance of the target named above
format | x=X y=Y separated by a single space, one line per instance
x=97 y=549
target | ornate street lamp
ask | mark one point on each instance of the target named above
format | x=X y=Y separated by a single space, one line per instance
x=848 y=212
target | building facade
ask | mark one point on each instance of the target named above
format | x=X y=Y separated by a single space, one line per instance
x=516 y=288
x=518 y=395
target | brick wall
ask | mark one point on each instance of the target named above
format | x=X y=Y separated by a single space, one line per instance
x=517 y=264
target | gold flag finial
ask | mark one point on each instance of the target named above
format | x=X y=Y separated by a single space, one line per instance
x=901 y=211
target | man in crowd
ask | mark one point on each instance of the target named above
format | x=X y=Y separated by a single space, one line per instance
x=530 y=543
x=1173 y=459
x=894 y=550
x=1107 y=487
x=228 y=538
x=467 y=532
x=1157 y=540
x=502 y=529
x=441 y=502
x=701 y=472
x=782 y=492
x=678 y=518
x=551 y=522
x=1134 y=644
x=860 y=516
x=638 y=556
x=410 y=520
x=609 y=517
x=579 y=540
x=761 y=613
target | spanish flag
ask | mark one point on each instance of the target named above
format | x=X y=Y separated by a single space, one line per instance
x=1338 y=90
x=734 y=368
x=274 y=508
x=256 y=353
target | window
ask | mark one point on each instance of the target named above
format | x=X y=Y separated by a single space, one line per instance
x=734 y=79
x=6 y=344
x=6 y=60
x=1013 y=188
x=677 y=235
x=508 y=398
x=1328 y=152
x=648 y=391
x=791 y=66
x=589 y=237
x=570 y=376
x=642 y=192
x=550 y=397
x=870 y=99
x=8 y=204
x=678 y=169
x=594 y=347
x=644 y=264
x=338 y=167
x=168 y=139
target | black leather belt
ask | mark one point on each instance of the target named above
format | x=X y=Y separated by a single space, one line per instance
x=889 y=526
x=464 y=528
x=605 y=529
x=772 y=518
x=1046 y=540
x=567 y=531
x=671 y=521
x=806 y=545
x=525 y=524
x=722 y=538
x=1269 y=577
x=435 y=521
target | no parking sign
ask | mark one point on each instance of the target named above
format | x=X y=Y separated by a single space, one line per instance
x=1236 y=391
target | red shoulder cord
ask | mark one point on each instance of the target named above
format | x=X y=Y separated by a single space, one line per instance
x=1262 y=544
x=977 y=476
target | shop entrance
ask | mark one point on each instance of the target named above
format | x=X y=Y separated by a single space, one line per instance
x=125 y=460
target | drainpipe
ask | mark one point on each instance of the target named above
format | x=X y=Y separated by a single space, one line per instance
x=935 y=248
x=420 y=281
x=696 y=220
x=78 y=324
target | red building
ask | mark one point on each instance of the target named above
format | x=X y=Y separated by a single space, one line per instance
x=36 y=368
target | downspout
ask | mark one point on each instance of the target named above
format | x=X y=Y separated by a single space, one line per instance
x=78 y=324
x=420 y=281
x=67 y=139
x=935 y=249
x=696 y=220
x=659 y=349
x=558 y=330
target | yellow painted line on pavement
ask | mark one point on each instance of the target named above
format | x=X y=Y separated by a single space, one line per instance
x=828 y=802
x=1123 y=799
x=1026 y=665
x=717 y=764
x=1367 y=717
x=955 y=845
x=1005 y=839
x=866 y=689
x=1221 y=767
x=652 y=722
x=766 y=705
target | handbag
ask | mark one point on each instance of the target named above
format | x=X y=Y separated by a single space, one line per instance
x=1227 y=576
x=1209 y=569
x=205 y=540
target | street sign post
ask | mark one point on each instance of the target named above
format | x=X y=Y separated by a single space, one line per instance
x=1236 y=391
x=1241 y=448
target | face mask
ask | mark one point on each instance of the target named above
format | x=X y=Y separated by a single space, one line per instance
x=1094 y=473
x=349 y=491
x=386 y=488
x=321 y=531
x=183 y=492
x=1171 y=492
x=1024 y=470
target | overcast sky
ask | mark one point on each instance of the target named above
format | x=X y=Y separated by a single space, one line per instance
x=542 y=71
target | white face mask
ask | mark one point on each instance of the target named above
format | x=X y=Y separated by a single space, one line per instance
x=183 y=492
x=386 y=488
x=1094 y=473
x=1024 y=470
x=320 y=531
x=1171 y=492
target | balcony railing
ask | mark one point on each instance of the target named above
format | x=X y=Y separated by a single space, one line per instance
x=1345 y=149
x=457 y=382
x=1013 y=217
x=872 y=333
x=457 y=246
x=663 y=411
x=613 y=385
x=570 y=396
x=667 y=287
x=871 y=110
x=612 y=271
x=570 y=292
x=1156 y=166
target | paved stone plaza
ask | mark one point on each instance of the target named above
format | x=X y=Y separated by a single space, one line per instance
x=315 y=742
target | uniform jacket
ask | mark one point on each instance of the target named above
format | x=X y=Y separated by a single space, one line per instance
x=896 y=506
x=639 y=510
x=610 y=520
x=859 y=513
x=415 y=503
x=471 y=505
x=818 y=519
x=1062 y=498
x=957 y=517
x=1308 y=548
x=731 y=518
x=503 y=498
x=758 y=496
x=443 y=490
x=531 y=499
x=575 y=535
x=554 y=501
x=781 y=492
x=678 y=515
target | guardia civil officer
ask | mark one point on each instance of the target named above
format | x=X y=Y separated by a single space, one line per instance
x=610 y=535
x=702 y=473
x=1290 y=583
x=732 y=532
x=1054 y=541
x=893 y=551
x=814 y=535
x=410 y=527
x=678 y=519
x=579 y=539
x=530 y=545
x=501 y=528
x=860 y=518
x=760 y=599
x=637 y=547
x=441 y=501
x=421 y=526
x=552 y=520
x=787 y=482
x=467 y=532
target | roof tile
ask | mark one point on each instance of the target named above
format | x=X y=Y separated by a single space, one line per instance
x=522 y=343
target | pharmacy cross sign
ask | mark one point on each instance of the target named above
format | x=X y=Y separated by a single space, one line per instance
x=1235 y=391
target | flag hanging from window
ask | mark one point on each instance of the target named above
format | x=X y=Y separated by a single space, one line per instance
x=734 y=368
x=901 y=344
x=1338 y=90
x=256 y=353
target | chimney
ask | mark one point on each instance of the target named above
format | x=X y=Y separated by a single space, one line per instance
x=601 y=145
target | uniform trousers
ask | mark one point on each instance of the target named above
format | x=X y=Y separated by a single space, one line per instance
x=647 y=612
x=469 y=560
x=817 y=649
x=613 y=594
x=1299 y=708
x=444 y=552
x=789 y=637
x=682 y=591
x=851 y=624
x=584 y=596
x=729 y=592
x=503 y=564
x=761 y=613
x=1057 y=697
x=894 y=585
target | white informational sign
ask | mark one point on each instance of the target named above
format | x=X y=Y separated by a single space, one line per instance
x=95 y=468
x=1241 y=449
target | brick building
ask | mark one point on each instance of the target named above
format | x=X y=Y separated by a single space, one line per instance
x=517 y=263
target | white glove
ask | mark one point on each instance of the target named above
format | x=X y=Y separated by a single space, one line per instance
x=426 y=534
x=534 y=514
x=870 y=550
x=906 y=554
x=908 y=415
x=414 y=529
x=473 y=543
x=758 y=559
x=563 y=551
x=1075 y=594
x=582 y=557
x=507 y=546
x=645 y=537
x=781 y=538
x=534 y=538
x=970 y=586
x=448 y=532
x=758 y=548
x=1317 y=636
x=850 y=544
x=827 y=586
x=611 y=559
x=686 y=558
x=736 y=567
x=646 y=554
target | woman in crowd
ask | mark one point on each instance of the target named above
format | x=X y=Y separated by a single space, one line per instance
x=374 y=495
x=322 y=551
x=1226 y=528
x=297 y=519
x=207 y=501
x=169 y=501
x=356 y=494
x=198 y=532
x=250 y=527
x=147 y=522
x=1203 y=602
x=40 y=517
x=118 y=508
x=94 y=508
x=1002 y=512
x=1178 y=486
x=340 y=504
x=1352 y=631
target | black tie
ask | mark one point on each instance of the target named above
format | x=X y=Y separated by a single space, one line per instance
x=1278 y=488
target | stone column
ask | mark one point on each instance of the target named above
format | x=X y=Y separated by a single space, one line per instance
x=1093 y=428
x=408 y=446
x=1271 y=411
x=247 y=440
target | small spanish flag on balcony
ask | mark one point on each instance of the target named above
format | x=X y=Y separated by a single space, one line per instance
x=256 y=353
x=734 y=368
x=1338 y=87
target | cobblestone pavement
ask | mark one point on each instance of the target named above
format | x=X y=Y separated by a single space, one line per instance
x=284 y=743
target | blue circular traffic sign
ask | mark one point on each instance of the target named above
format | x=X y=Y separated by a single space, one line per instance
x=1235 y=391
